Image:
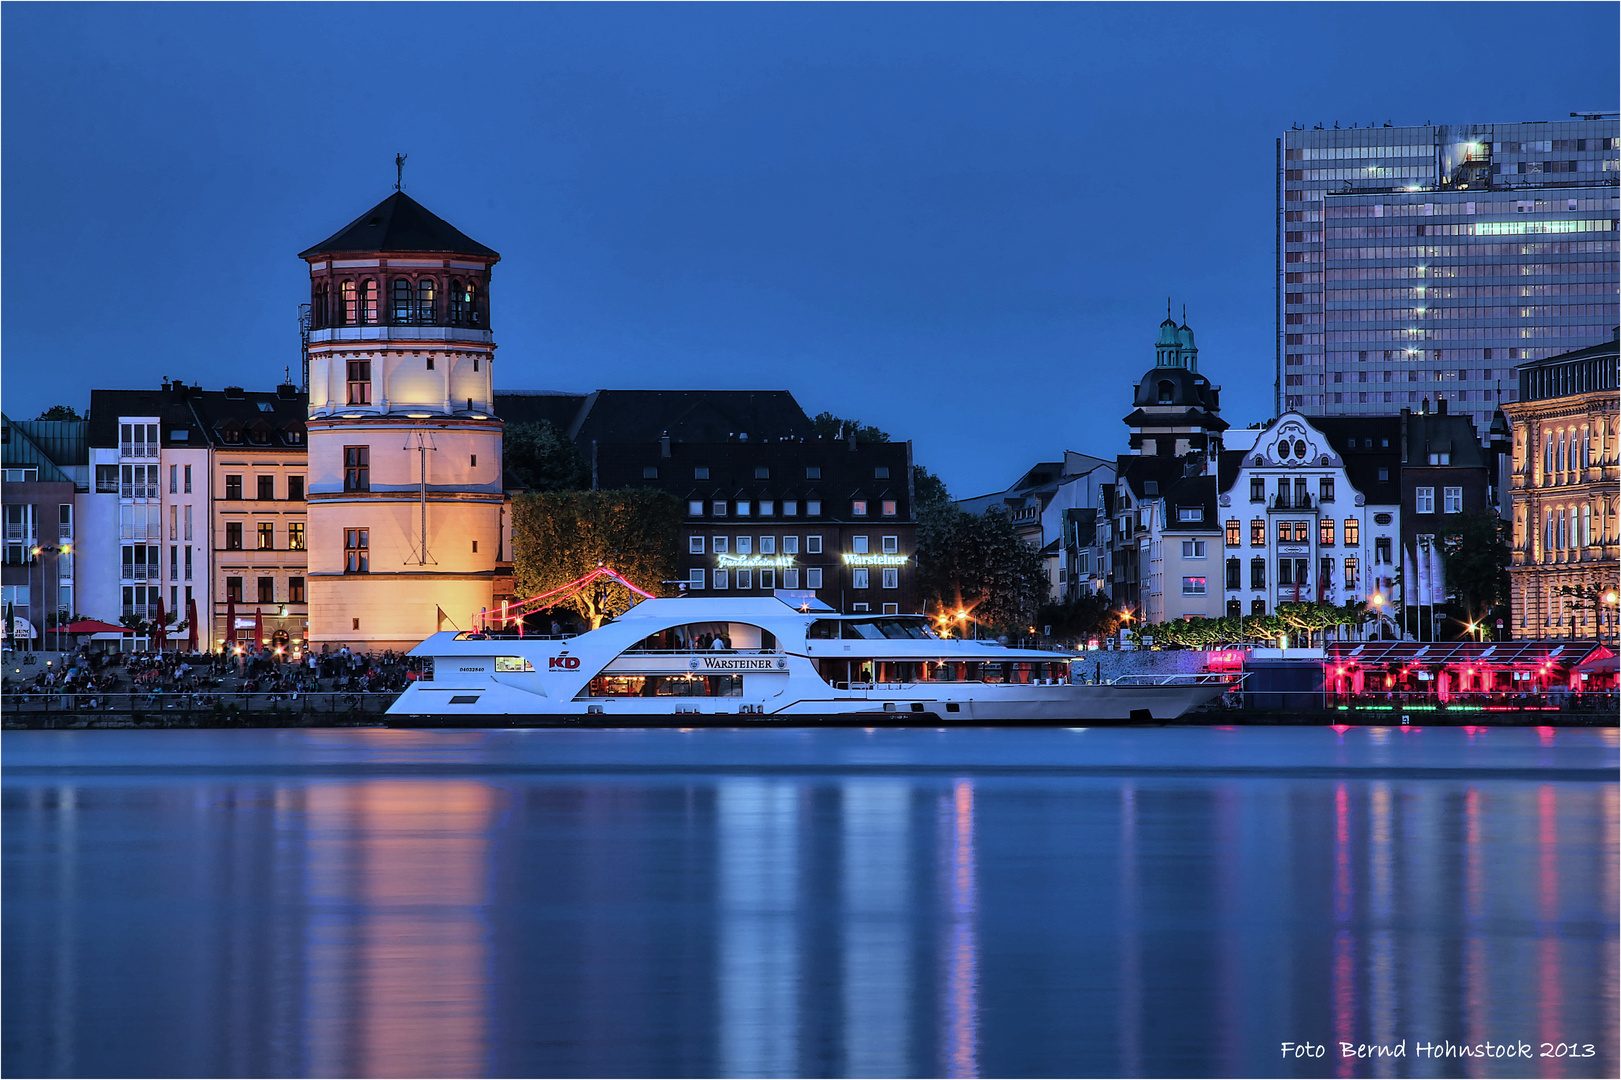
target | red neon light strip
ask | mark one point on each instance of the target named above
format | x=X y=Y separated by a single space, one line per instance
x=523 y=607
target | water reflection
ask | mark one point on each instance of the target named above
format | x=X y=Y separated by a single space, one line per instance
x=758 y=821
x=960 y=1050
x=878 y=927
x=396 y=878
x=872 y=920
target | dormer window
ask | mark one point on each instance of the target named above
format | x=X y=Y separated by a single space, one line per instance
x=231 y=435
x=1166 y=392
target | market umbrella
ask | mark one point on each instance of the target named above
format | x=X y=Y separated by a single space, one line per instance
x=162 y=633
x=258 y=629
x=191 y=623
x=95 y=626
x=230 y=622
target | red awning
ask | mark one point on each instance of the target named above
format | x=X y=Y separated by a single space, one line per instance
x=91 y=626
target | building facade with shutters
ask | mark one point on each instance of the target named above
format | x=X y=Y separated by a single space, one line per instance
x=1565 y=465
x=406 y=505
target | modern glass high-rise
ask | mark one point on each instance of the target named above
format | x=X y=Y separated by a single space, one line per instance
x=1428 y=262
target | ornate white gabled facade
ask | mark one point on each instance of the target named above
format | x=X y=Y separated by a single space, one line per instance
x=1295 y=527
x=405 y=494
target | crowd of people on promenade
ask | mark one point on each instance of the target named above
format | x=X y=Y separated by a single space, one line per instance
x=93 y=679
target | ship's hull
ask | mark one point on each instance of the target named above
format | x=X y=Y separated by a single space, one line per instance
x=1063 y=705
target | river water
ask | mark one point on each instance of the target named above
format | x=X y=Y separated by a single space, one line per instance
x=1099 y=902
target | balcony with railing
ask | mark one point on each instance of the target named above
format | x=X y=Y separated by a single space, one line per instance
x=1299 y=500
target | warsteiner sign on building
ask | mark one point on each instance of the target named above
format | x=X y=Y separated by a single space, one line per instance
x=829 y=518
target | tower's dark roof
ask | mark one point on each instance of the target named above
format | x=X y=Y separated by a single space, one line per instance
x=398 y=223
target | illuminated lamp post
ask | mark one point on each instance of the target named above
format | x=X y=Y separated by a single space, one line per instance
x=1608 y=613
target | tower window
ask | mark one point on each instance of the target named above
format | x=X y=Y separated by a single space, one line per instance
x=430 y=363
x=426 y=297
x=357 y=468
x=360 y=382
x=403 y=306
x=357 y=551
x=475 y=363
x=1166 y=392
x=351 y=305
x=368 y=302
x=320 y=303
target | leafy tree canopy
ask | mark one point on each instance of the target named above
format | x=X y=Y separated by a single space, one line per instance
x=560 y=536
x=978 y=563
x=828 y=426
x=1088 y=616
x=60 y=412
x=1475 y=557
x=538 y=457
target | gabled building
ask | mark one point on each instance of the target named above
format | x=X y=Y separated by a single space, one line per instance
x=46 y=474
x=1296 y=526
x=1046 y=506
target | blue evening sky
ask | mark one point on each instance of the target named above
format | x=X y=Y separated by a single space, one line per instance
x=959 y=223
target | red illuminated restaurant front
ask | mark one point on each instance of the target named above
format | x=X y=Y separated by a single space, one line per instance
x=1504 y=674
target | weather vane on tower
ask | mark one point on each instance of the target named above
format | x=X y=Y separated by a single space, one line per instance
x=399 y=170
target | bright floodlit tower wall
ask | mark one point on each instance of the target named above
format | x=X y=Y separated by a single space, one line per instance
x=405 y=494
x=1429 y=262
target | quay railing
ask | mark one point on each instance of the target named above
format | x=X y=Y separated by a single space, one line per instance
x=56 y=708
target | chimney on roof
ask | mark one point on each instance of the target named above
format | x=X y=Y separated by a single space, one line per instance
x=286 y=391
x=850 y=435
x=235 y=393
x=166 y=384
x=664 y=445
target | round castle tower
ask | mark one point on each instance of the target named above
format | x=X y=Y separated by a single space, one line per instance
x=405 y=494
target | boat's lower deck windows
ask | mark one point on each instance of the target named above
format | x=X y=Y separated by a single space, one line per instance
x=890 y=672
x=666 y=686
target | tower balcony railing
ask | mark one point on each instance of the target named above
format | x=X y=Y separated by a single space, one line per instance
x=382 y=332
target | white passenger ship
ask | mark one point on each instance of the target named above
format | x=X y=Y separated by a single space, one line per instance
x=691 y=662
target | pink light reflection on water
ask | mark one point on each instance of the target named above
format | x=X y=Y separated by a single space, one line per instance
x=962 y=980
x=1476 y=994
x=1344 y=972
x=1550 y=995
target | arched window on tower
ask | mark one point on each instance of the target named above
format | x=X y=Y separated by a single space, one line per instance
x=402 y=301
x=1166 y=392
x=426 y=297
x=318 y=304
x=368 y=302
x=458 y=305
x=472 y=303
x=351 y=307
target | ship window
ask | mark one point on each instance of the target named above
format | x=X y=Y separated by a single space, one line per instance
x=513 y=663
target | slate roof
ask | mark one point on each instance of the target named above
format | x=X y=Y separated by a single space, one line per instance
x=1367 y=444
x=192 y=417
x=557 y=408
x=47 y=445
x=709 y=416
x=399 y=224
x=1453 y=433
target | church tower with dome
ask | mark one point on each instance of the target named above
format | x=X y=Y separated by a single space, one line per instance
x=405 y=494
x=1176 y=411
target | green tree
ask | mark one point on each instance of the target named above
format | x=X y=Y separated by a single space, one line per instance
x=538 y=457
x=928 y=491
x=827 y=426
x=60 y=412
x=1087 y=616
x=979 y=564
x=1475 y=555
x=560 y=536
x=1310 y=619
